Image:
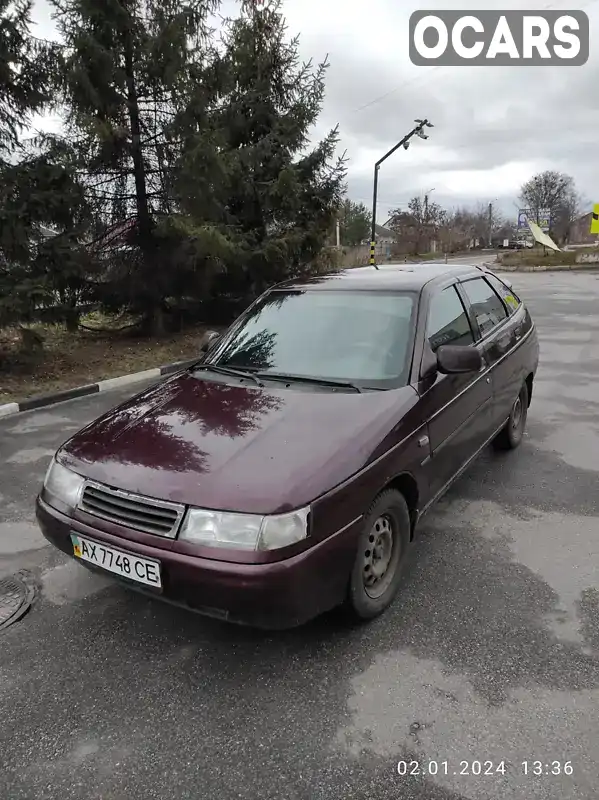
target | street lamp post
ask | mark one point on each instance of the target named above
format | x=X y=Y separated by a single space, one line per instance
x=405 y=143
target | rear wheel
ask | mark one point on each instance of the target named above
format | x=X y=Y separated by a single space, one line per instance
x=382 y=550
x=510 y=436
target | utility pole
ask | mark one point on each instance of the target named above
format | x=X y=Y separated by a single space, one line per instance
x=425 y=217
x=405 y=143
x=426 y=196
x=337 y=234
x=491 y=225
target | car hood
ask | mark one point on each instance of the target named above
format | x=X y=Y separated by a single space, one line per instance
x=235 y=447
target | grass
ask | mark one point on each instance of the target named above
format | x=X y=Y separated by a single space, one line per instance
x=536 y=257
x=75 y=359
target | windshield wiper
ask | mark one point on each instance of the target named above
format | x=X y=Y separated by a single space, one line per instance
x=280 y=376
x=233 y=371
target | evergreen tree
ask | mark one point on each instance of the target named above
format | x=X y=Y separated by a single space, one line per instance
x=23 y=73
x=272 y=194
x=354 y=223
x=125 y=68
x=44 y=221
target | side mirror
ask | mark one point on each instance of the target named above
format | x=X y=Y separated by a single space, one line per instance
x=453 y=359
x=209 y=338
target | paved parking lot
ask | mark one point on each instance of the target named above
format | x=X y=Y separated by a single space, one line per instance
x=489 y=654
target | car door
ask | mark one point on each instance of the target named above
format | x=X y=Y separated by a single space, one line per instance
x=457 y=407
x=522 y=326
x=497 y=332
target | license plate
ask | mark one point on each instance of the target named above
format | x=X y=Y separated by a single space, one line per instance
x=127 y=565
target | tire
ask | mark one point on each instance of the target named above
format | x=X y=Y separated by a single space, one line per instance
x=510 y=436
x=388 y=520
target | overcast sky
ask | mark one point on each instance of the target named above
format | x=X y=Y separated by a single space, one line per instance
x=494 y=126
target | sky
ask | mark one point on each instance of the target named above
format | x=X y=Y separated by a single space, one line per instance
x=495 y=126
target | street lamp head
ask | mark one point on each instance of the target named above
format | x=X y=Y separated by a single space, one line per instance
x=406 y=145
x=421 y=135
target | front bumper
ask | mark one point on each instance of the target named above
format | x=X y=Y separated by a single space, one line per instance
x=277 y=595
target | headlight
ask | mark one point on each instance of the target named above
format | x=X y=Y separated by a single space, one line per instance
x=244 y=531
x=63 y=485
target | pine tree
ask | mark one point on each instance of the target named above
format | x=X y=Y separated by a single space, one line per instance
x=44 y=221
x=125 y=68
x=24 y=73
x=354 y=221
x=25 y=88
x=271 y=192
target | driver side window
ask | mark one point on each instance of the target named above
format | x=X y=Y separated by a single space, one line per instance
x=448 y=322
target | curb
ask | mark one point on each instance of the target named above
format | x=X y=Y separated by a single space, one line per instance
x=542 y=268
x=8 y=409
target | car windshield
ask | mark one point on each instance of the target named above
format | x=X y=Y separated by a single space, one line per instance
x=359 y=337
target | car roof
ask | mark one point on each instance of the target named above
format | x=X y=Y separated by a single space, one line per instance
x=400 y=277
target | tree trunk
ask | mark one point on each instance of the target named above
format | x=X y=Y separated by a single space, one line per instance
x=153 y=321
x=32 y=342
x=72 y=320
x=139 y=170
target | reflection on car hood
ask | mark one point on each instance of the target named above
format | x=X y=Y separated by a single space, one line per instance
x=223 y=446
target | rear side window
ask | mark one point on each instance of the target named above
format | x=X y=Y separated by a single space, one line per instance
x=448 y=322
x=486 y=304
x=508 y=296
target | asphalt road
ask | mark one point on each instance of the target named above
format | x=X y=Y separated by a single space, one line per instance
x=489 y=654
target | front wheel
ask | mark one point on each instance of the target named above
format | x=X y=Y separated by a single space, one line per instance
x=510 y=436
x=382 y=550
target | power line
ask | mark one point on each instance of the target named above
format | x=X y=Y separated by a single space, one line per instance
x=392 y=91
x=429 y=73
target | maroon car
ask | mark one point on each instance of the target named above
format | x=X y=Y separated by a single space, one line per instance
x=285 y=473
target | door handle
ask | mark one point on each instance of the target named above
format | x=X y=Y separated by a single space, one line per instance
x=423 y=441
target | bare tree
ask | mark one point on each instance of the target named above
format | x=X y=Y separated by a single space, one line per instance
x=419 y=225
x=557 y=192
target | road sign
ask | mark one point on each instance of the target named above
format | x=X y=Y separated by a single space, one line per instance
x=595 y=219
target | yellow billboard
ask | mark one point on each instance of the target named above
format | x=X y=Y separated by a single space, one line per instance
x=595 y=219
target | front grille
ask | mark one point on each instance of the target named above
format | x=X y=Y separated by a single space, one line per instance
x=140 y=513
